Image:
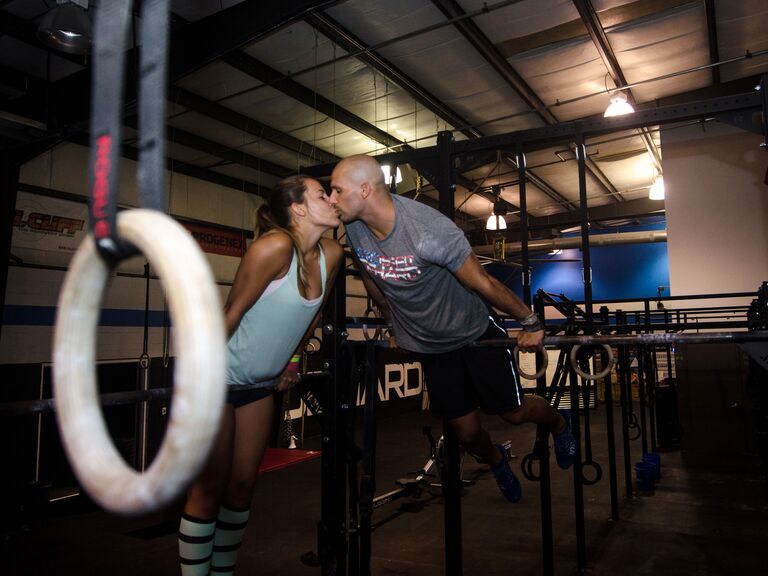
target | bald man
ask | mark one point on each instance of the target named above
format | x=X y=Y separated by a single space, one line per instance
x=419 y=268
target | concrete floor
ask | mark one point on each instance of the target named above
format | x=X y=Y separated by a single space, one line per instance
x=707 y=517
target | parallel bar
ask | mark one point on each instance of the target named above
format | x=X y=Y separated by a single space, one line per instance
x=638 y=339
x=118 y=398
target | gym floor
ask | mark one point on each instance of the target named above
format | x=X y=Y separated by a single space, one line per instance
x=704 y=519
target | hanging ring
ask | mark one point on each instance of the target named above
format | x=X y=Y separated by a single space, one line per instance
x=603 y=373
x=199 y=389
x=377 y=332
x=537 y=375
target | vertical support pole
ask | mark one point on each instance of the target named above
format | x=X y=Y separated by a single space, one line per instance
x=368 y=478
x=641 y=389
x=578 y=476
x=650 y=383
x=520 y=159
x=624 y=391
x=581 y=155
x=578 y=488
x=611 y=433
x=332 y=531
x=451 y=481
x=545 y=484
x=446 y=175
x=142 y=408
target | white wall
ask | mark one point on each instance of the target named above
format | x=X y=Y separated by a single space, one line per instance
x=717 y=209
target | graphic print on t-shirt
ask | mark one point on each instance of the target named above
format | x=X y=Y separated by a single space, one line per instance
x=388 y=267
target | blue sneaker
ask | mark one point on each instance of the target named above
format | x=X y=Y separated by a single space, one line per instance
x=506 y=479
x=565 y=443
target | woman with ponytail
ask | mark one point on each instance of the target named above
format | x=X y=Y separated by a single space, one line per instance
x=273 y=306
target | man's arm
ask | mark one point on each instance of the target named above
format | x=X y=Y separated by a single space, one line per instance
x=472 y=275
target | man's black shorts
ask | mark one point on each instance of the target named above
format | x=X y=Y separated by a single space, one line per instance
x=462 y=380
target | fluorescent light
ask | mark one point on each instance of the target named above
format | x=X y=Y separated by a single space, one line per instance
x=618 y=106
x=657 y=190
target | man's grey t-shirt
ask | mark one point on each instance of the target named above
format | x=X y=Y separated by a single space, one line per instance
x=413 y=267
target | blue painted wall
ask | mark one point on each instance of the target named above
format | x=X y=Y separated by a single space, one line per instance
x=622 y=271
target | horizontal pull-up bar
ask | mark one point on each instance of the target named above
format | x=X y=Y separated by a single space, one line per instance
x=25 y=407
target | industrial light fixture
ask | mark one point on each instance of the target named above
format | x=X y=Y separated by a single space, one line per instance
x=657 y=189
x=388 y=176
x=67 y=27
x=496 y=220
x=618 y=106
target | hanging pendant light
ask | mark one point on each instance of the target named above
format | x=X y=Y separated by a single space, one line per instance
x=618 y=106
x=496 y=220
x=67 y=27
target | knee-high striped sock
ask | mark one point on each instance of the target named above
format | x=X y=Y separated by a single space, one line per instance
x=195 y=545
x=230 y=528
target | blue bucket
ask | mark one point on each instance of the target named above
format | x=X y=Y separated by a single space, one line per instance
x=655 y=459
x=646 y=476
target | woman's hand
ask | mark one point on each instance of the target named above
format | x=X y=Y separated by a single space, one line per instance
x=290 y=375
x=288 y=379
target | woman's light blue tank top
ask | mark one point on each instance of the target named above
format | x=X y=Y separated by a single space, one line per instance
x=271 y=329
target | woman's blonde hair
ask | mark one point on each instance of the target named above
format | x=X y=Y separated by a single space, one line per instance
x=275 y=214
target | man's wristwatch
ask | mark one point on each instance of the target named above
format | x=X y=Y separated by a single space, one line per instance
x=531 y=323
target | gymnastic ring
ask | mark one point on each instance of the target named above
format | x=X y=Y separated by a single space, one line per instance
x=526 y=466
x=537 y=375
x=603 y=373
x=377 y=331
x=598 y=473
x=633 y=424
x=199 y=389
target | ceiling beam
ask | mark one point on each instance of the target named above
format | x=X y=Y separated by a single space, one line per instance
x=600 y=39
x=714 y=51
x=568 y=31
x=264 y=73
x=191 y=47
x=488 y=51
x=540 y=183
x=473 y=34
x=641 y=207
x=334 y=31
x=223 y=152
x=249 y=125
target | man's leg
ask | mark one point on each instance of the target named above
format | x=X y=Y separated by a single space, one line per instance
x=477 y=442
x=537 y=410
x=474 y=437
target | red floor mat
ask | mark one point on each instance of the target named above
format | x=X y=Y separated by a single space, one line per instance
x=276 y=458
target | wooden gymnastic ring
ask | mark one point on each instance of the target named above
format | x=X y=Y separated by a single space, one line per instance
x=537 y=375
x=199 y=389
x=603 y=373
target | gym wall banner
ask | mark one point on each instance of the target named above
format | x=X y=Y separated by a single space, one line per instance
x=399 y=376
x=44 y=226
x=216 y=240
